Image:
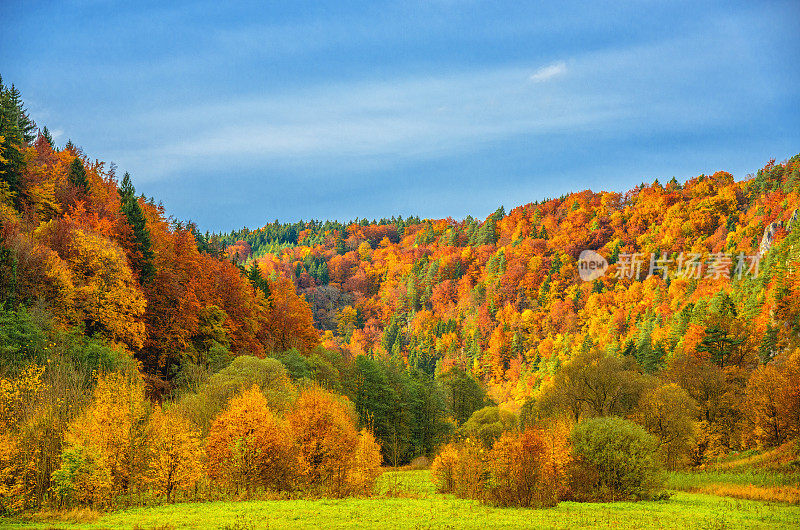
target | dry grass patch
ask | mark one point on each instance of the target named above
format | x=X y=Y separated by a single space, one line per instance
x=787 y=494
x=81 y=515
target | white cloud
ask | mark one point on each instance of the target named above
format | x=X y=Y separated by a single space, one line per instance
x=548 y=72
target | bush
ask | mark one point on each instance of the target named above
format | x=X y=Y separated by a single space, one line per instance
x=613 y=459
x=460 y=468
x=83 y=477
x=420 y=463
x=487 y=424
x=528 y=469
x=244 y=372
x=442 y=469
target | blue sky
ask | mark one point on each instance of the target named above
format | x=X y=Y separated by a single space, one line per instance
x=236 y=115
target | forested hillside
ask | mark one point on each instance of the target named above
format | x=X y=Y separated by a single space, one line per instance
x=129 y=338
x=503 y=298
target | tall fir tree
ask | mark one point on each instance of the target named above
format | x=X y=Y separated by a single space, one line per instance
x=12 y=139
x=77 y=175
x=141 y=235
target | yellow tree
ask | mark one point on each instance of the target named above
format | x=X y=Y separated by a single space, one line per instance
x=177 y=453
x=106 y=294
x=114 y=427
x=767 y=405
x=248 y=446
x=325 y=435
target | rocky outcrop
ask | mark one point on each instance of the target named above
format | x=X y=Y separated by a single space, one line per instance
x=768 y=237
x=770 y=231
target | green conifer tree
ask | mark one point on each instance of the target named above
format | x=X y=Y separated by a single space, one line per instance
x=133 y=212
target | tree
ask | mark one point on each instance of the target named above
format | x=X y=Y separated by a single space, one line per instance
x=463 y=394
x=245 y=371
x=12 y=138
x=488 y=424
x=177 y=453
x=49 y=137
x=248 y=446
x=668 y=412
x=110 y=435
x=143 y=258
x=77 y=175
x=323 y=427
x=287 y=321
x=106 y=297
x=592 y=383
x=767 y=405
x=718 y=344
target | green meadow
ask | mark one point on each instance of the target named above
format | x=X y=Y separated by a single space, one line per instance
x=406 y=499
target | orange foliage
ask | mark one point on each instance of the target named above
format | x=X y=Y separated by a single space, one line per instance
x=248 y=446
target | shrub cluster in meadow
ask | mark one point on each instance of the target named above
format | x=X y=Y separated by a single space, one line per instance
x=601 y=459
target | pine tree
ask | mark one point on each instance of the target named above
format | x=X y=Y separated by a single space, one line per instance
x=77 y=175
x=133 y=212
x=22 y=121
x=11 y=140
x=390 y=335
x=257 y=280
x=340 y=246
x=48 y=136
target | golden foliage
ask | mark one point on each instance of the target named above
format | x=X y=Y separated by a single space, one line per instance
x=113 y=430
x=529 y=468
x=249 y=446
x=177 y=453
x=325 y=437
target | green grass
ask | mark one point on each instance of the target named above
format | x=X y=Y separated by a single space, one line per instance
x=417 y=505
x=687 y=480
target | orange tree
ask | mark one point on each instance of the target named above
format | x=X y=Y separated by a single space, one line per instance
x=248 y=446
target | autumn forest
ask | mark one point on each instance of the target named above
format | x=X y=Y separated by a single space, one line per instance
x=144 y=359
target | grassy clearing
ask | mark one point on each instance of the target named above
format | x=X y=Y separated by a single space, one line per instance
x=407 y=500
x=690 y=480
x=768 y=476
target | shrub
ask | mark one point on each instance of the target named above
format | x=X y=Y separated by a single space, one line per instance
x=366 y=465
x=487 y=424
x=442 y=469
x=528 y=469
x=113 y=427
x=460 y=468
x=419 y=463
x=244 y=372
x=84 y=477
x=614 y=459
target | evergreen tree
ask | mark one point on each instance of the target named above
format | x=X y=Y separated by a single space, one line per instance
x=390 y=335
x=22 y=121
x=257 y=280
x=768 y=347
x=11 y=140
x=340 y=246
x=77 y=175
x=141 y=235
x=718 y=344
x=48 y=136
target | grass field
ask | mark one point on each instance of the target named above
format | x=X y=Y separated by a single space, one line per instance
x=406 y=499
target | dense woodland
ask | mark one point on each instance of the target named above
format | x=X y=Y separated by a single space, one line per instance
x=141 y=356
